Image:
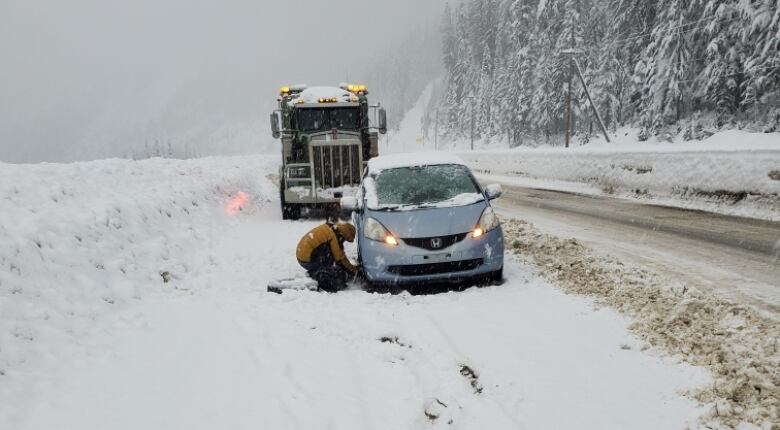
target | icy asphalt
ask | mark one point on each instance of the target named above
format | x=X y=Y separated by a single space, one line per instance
x=733 y=257
x=95 y=346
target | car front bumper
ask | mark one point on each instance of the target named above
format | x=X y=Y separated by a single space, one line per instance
x=405 y=264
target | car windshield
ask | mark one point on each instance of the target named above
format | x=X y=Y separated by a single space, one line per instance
x=425 y=186
x=325 y=119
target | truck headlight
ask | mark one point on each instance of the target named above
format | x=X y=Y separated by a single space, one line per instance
x=374 y=230
x=487 y=221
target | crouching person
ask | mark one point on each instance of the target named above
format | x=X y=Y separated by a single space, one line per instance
x=321 y=253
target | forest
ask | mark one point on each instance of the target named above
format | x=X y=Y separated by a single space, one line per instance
x=667 y=67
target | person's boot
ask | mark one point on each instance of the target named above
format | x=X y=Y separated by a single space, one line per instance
x=331 y=280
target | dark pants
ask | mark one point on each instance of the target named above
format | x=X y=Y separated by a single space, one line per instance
x=322 y=268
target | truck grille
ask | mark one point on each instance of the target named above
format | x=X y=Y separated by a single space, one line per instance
x=336 y=165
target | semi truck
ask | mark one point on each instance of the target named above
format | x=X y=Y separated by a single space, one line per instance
x=327 y=134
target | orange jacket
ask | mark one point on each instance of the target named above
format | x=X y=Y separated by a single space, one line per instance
x=319 y=236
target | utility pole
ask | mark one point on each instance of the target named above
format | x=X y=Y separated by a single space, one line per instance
x=569 y=94
x=574 y=66
x=472 y=125
x=471 y=98
x=436 y=132
x=592 y=105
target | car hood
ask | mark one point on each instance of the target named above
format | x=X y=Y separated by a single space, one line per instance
x=430 y=222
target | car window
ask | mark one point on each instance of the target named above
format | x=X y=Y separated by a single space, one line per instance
x=425 y=186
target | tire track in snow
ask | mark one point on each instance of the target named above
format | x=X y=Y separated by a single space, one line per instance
x=470 y=373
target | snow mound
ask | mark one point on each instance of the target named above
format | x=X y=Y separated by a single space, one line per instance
x=738 y=182
x=736 y=343
x=314 y=94
x=82 y=241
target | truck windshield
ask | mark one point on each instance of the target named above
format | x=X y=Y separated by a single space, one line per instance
x=325 y=119
x=345 y=118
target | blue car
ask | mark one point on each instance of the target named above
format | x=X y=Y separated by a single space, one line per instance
x=423 y=218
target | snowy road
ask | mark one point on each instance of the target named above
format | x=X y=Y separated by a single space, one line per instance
x=735 y=257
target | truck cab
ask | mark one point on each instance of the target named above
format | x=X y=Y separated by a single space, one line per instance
x=328 y=134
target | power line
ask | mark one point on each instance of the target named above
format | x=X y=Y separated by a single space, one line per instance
x=734 y=74
x=688 y=30
x=631 y=36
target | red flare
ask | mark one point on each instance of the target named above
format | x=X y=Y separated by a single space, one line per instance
x=236 y=204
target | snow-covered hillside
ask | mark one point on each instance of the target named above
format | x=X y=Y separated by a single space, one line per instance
x=132 y=295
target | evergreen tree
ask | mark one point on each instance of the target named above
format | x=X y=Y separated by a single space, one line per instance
x=650 y=63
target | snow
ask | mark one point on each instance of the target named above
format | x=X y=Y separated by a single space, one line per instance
x=719 y=175
x=625 y=140
x=84 y=244
x=329 y=193
x=93 y=338
x=369 y=190
x=460 y=200
x=324 y=193
x=394 y=161
x=541 y=184
x=313 y=94
x=409 y=137
x=302 y=192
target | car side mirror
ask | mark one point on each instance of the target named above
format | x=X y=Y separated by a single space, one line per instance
x=493 y=191
x=349 y=204
x=275 y=125
x=382 y=120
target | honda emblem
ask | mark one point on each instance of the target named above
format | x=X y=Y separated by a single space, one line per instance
x=436 y=243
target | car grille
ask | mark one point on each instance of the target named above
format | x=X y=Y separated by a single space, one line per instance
x=336 y=165
x=435 y=268
x=427 y=242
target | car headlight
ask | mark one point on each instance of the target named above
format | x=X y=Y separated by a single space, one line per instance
x=487 y=221
x=374 y=230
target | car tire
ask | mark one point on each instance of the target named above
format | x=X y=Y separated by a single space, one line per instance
x=493 y=278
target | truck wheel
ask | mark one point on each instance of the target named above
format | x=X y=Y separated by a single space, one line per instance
x=291 y=212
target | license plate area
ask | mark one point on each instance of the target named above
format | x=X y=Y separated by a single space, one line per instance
x=436 y=258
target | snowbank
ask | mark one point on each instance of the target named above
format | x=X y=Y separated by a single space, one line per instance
x=314 y=94
x=740 y=179
x=735 y=342
x=81 y=242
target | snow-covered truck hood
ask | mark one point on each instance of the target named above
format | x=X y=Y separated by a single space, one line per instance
x=431 y=222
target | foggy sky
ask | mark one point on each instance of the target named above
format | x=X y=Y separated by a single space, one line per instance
x=80 y=79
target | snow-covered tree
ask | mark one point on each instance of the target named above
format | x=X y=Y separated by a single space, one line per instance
x=648 y=62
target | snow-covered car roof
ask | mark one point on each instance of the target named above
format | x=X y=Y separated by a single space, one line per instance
x=412 y=159
x=314 y=94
